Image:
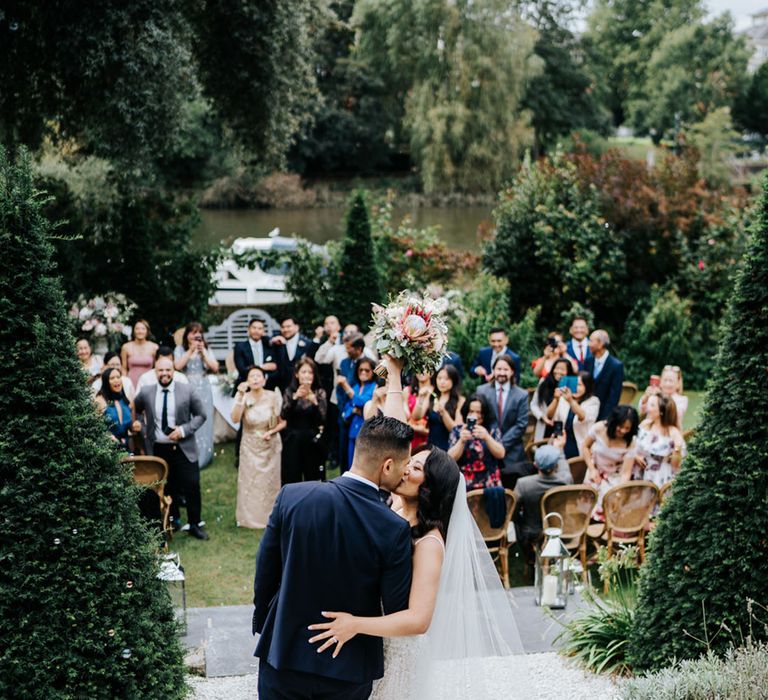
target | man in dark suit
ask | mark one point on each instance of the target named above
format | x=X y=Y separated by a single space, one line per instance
x=510 y=406
x=578 y=345
x=289 y=347
x=254 y=351
x=607 y=371
x=333 y=546
x=172 y=413
x=486 y=357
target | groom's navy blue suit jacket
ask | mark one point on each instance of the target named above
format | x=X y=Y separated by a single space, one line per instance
x=329 y=546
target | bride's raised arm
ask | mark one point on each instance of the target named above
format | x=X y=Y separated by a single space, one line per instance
x=427 y=564
x=394 y=406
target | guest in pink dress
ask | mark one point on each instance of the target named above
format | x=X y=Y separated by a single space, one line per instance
x=609 y=451
x=138 y=355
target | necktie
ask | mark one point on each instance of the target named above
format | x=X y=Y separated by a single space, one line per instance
x=500 y=404
x=581 y=354
x=164 y=416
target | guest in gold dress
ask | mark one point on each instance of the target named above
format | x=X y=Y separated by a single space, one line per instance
x=258 y=480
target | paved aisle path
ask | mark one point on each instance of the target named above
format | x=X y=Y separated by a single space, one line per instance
x=225 y=632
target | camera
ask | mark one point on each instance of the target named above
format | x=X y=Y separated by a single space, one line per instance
x=557 y=430
x=553 y=343
x=471 y=423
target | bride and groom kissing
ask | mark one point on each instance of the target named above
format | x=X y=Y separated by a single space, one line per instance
x=418 y=574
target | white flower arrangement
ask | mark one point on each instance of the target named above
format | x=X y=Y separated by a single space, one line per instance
x=411 y=328
x=104 y=317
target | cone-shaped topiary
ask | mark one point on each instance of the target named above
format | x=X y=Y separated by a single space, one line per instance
x=82 y=614
x=357 y=283
x=709 y=552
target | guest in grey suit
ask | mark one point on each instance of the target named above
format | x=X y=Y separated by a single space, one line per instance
x=172 y=413
x=510 y=406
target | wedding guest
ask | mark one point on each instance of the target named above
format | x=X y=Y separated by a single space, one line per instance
x=195 y=360
x=304 y=408
x=510 y=406
x=554 y=350
x=609 y=451
x=486 y=357
x=354 y=349
x=92 y=364
x=254 y=351
x=660 y=444
x=138 y=355
x=670 y=384
x=551 y=470
x=419 y=383
x=547 y=397
x=150 y=378
x=358 y=395
x=112 y=361
x=115 y=405
x=607 y=371
x=258 y=479
x=578 y=345
x=476 y=447
x=580 y=411
x=441 y=406
x=289 y=347
x=375 y=407
x=172 y=413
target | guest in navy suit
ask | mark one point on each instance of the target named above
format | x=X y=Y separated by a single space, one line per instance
x=333 y=546
x=607 y=371
x=289 y=347
x=254 y=351
x=486 y=357
x=578 y=345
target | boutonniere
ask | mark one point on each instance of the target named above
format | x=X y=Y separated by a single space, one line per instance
x=268 y=359
x=301 y=343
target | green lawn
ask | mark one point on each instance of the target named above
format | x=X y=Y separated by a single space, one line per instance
x=220 y=571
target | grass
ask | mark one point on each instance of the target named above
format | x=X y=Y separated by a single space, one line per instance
x=220 y=571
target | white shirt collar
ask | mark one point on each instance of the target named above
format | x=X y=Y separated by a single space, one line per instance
x=361 y=479
x=292 y=345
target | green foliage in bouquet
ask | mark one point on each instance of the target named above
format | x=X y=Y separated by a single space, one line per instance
x=83 y=613
x=709 y=545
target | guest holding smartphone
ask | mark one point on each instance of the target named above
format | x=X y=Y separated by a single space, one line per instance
x=580 y=409
x=670 y=384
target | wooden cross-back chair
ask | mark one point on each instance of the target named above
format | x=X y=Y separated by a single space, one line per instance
x=574 y=504
x=495 y=537
x=578 y=467
x=628 y=393
x=152 y=472
x=628 y=508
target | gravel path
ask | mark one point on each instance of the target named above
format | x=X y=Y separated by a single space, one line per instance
x=556 y=679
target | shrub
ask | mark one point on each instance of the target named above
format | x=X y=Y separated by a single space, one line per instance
x=741 y=675
x=709 y=544
x=83 y=612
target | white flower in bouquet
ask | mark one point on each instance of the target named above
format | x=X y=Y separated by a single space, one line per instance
x=88 y=325
x=85 y=312
x=411 y=328
x=100 y=330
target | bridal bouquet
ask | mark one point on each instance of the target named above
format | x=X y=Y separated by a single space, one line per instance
x=411 y=328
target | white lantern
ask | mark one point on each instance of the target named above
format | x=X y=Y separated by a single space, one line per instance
x=552 y=561
x=172 y=572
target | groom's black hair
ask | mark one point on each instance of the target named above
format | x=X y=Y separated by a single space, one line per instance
x=383 y=435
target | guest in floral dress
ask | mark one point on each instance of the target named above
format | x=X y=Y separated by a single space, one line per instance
x=258 y=478
x=195 y=360
x=477 y=451
x=660 y=444
x=609 y=451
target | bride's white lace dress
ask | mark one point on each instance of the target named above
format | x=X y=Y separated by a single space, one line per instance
x=472 y=650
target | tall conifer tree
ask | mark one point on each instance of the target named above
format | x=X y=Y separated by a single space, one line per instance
x=82 y=614
x=708 y=555
x=357 y=283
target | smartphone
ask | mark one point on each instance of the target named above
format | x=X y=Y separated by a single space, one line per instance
x=471 y=423
x=338 y=372
x=655 y=380
x=557 y=430
x=571 y=383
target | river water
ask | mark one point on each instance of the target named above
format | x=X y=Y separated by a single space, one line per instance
x=458 y=225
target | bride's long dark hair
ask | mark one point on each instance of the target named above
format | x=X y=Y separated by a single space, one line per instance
x=437 y=492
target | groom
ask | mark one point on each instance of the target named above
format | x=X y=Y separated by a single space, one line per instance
x=333 y=546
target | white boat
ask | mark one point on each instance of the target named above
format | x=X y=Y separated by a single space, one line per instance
x=263 y=285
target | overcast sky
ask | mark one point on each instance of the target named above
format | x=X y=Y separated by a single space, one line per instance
x=740 y=9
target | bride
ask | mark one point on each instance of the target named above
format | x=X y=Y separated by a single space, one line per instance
x=458 y=637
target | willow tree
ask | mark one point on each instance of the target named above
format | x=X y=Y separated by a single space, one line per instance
x=462 y=68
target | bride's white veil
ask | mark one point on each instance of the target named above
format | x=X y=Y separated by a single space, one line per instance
x=473 y=624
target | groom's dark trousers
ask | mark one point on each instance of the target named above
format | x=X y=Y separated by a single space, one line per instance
x=328 y=546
